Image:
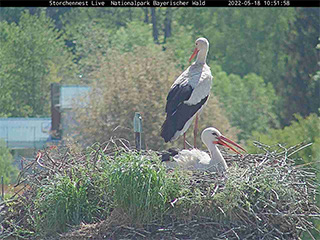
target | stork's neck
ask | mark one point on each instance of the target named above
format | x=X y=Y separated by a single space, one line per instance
x=217 y=158
x=202 y=56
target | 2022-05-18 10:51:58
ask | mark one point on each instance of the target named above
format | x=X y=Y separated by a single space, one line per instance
x=258 y=3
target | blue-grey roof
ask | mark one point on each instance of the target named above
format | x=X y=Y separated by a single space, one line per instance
x=21 y=133
x=68 y=94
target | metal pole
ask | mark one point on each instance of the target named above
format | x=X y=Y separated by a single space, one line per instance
x=137 y=128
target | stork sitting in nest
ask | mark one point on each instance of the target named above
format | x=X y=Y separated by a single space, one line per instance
x=196 y=159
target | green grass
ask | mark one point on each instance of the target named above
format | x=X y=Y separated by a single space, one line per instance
x=140 y=187
x=65 y=200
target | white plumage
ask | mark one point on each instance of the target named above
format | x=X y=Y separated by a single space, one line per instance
x=196 y=159
x=188 y=95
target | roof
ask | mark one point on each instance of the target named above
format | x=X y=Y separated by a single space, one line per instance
x=19 y=133
x=68 y=94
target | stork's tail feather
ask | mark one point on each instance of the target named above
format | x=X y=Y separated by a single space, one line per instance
x=168 y=129
x=166 y=155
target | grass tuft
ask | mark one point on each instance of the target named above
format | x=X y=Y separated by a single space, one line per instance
x=140 y=187
x=64 y=200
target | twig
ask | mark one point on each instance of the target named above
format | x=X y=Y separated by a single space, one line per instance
x=299 y=149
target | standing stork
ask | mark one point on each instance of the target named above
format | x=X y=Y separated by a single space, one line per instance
x=188 y=95
x=196 y=159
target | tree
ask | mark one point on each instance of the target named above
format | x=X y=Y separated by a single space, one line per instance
x=110 y=18
x=299 y=89
x=11 y=14
x=32 y=56
x=92 y=41
x=155 y=33
x=146 y=15
x=181 y=45
x=249 y=102
x=301 y=130
x=134 y=34
x=7 y=169
x=167 y=24
x=244 y=41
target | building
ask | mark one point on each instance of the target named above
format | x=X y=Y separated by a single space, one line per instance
x=63 y=98
x=36 y=133
x=25 y=133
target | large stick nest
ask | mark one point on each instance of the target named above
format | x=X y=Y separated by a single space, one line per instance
x=261 y=196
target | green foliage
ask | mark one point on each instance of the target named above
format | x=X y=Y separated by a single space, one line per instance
x=134 y=34
x=275 y=43
x=181 y=45
x=305 y=130
x=299 y=90
x=111 y=19
x=32 y=55
x=242 y=40
x=90 y=42
x=7 y=169
x=11 y=14
x=68 y=199
x=140 y=186
x=248 y=101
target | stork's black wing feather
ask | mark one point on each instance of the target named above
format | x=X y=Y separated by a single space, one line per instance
x=176 y=121
x=177 y=95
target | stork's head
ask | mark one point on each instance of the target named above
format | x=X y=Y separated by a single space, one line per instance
x=202 y=45
x=211 y=136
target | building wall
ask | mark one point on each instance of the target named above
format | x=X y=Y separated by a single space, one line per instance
x=21 y=133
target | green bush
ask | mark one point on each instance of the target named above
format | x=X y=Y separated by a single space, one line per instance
x=303 y=130
x=249 y=102
x=7 y=169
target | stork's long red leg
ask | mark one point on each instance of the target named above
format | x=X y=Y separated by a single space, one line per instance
x=195 y=132
x=184 y=141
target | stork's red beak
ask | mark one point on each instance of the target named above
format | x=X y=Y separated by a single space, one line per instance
x=196 y=50
x=222 y=141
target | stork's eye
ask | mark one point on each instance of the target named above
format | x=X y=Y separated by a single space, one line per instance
x=214 y=134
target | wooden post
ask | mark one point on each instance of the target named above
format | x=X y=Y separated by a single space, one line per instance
x=137 y=128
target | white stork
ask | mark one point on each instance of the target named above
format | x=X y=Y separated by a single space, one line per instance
x=196 y=159
x=188 y=95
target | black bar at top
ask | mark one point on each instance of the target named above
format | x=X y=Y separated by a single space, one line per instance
x=152 y=3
